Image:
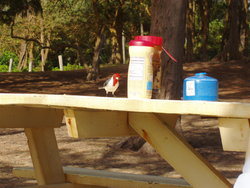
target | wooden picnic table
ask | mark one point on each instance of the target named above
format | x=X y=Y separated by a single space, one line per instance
x=152 y=119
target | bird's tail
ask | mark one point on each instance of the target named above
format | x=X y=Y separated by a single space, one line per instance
x=100 y=87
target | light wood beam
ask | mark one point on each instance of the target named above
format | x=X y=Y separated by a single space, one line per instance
x=234 y=133
x=92 y=124
x=111 y=179
x=27 y=117
x=179 y=154
x=45 y=155
x=203 y=108
x=64 y=185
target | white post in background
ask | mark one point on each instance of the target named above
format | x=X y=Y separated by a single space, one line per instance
x=10 y=65
x=60 y=59
x=141 y=27
x=123 y=49
x=30 y=66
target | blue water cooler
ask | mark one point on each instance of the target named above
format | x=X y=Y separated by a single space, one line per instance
x=200 y=87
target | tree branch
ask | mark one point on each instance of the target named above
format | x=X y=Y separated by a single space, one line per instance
x=25 y=38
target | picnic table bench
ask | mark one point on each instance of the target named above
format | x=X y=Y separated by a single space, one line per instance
x=90 y=117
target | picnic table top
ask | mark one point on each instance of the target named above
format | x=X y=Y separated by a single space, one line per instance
x=204 y=108
x=40 y=113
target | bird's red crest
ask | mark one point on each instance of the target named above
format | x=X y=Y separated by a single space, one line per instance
x=116 y=77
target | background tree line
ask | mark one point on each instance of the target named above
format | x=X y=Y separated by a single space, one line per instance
x=91 y=33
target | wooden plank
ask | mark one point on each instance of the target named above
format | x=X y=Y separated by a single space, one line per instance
x=111 y=179
x=204 y=108
x=234 y=133
x=179 y=154
x=64 y=185
x=24 y=172
x=71 y=123
x=45 y=155
x=90 y=124
x=122 y=180
x=28 y=172
x=24 y=117
x=169 y=119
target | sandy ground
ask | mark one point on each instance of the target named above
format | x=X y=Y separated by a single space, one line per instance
x=201 y=133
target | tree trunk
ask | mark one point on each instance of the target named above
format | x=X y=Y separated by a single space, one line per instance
x=80 y=57
x=168 y=21
x=119 y=30
x=23 y=55
x=204 y=7
x=97 y=50
x=190 y=28
x=115 y=56
x=116 y=38
x=31 y=55
x=44 y=51
x=94 y=73
x=244 y=28
x=44 y=57
x=231 y=36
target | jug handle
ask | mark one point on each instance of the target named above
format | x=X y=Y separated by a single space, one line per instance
x=169 y=55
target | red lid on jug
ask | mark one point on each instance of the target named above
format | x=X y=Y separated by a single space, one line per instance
x=141 y=43
x=154 y=39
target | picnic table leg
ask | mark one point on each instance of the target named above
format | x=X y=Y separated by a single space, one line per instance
x=45 y=155
x=176 y=151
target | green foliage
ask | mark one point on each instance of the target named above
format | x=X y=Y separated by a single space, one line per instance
x=216 y=29
x=6 y=56
x=4 y=68
x=217 y=13
x=68 y=67
x=10 y=8
x=71 y=27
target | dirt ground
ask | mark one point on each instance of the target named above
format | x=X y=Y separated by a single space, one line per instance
x=201 y=133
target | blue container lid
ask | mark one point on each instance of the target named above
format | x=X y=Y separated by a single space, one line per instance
x=201 y=74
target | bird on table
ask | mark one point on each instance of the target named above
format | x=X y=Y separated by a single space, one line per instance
x=111 y=84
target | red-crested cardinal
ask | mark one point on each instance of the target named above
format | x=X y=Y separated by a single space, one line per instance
x=111 y=84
